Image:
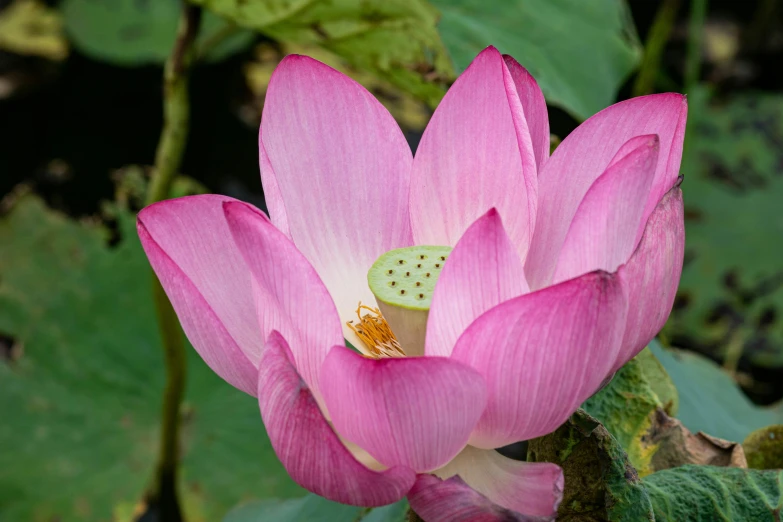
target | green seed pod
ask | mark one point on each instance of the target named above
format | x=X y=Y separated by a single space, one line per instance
x=403 y=282
x=406 y=277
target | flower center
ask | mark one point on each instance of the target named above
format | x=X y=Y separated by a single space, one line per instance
x=403 y=281
x=373 y=330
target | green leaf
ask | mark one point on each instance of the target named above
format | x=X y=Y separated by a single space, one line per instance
x=632 y=410
x=601 y=485
x=659 y=381
x=600 y=482
x=709 y=494
x=82 y=390
x=579 y=52
x=394 y=39
x=710 y=401
x=30 y=27
x=731 y=292
x=134 y=32
x=310 y=508
x=627 y=407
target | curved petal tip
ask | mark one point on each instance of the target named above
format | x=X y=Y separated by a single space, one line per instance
x=307 y=445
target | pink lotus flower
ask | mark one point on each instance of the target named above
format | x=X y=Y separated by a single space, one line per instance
x=562 y=269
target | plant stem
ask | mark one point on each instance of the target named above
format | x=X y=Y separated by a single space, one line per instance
x=176 y=106
x=168 y=157
x=695 y=32
x=653 y=49
x=165 y=497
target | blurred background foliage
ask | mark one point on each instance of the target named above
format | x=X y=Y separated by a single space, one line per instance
x=81 y=373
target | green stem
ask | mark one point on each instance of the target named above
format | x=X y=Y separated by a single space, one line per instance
x=695 y=33
x=653 y=48
x=176 y=106
x=168 y=157
x=165 y=495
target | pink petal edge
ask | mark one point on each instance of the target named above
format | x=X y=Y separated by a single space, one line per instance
x=542 y=355
x=436 y=500
x=416 y=412
x=530 y=488
x=602 y=235
x=585 y=154
x=342 y=167
x=188 y=245
x=652 y=275
x=477 y=138
x=482 y=271
x=272 y=195
x=308 y=447
x=290 y=296
x=534 y=106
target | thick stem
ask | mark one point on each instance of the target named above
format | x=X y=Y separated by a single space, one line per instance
x=164 y=498
x=653 y=48
x=176 y=106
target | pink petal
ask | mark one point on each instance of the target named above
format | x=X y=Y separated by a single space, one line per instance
x=475 y=154
x=272 y=196
x=291 y=297
x=306 y=444
x=191 y=250
x=532 y=488
x=436 y=500
x=585 y=154
x=542 y=355
x=482 y=271
x=652 y=275
x=342 y=168
x=416 y=412
x=603 y=233
x=534 y=105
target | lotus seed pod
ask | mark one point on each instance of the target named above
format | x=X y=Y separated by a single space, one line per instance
x=403 y=282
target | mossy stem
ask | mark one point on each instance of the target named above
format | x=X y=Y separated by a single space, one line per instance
x=176 y=106
x=164 y=497
x=176 y=109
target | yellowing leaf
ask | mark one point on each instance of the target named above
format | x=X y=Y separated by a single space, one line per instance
x=31 y=28
x=395 y=40
x=410 y=112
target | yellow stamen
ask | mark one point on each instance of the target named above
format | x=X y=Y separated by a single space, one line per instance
x=374 y=332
